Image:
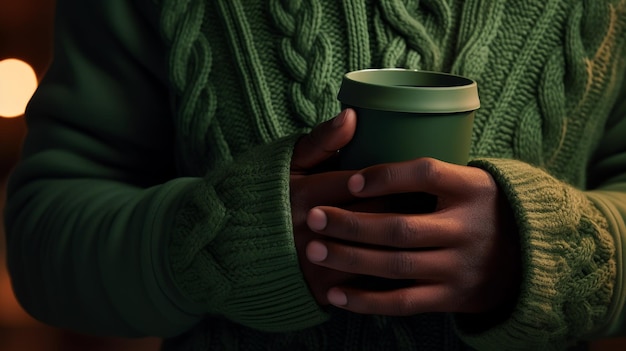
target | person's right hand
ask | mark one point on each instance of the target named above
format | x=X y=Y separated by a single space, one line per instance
x=310 y=188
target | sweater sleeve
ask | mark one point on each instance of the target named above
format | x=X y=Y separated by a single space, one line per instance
x=99 y=226
x=573 y=244
x=232 y=248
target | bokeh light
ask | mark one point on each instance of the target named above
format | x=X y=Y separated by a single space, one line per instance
x=18 y=83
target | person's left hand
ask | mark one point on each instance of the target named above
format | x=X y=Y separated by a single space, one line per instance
x=463 y=257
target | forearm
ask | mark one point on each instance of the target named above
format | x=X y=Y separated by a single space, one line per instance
x=119 y=259
x=89 y=206
x=233 y=249
x=105 y=238
x=568 y=258
x=91 y=255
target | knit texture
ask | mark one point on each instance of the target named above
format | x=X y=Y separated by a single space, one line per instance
x=234 y=203
x=246 y=74
x=569 y=263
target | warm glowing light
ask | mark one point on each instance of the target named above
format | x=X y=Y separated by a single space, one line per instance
x=18 y=82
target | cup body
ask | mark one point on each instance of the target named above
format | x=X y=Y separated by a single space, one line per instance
x=407 y=114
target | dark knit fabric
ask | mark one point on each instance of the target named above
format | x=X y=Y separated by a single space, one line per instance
x=346 y=331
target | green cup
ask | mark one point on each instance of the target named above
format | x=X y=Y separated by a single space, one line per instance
x=406 y=114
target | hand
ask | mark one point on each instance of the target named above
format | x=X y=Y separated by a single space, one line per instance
x=309 y=189
x=463 y=257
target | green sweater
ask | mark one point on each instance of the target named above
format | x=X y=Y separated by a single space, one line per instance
x=153 y=194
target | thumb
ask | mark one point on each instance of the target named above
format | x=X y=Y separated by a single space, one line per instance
x=323 y=141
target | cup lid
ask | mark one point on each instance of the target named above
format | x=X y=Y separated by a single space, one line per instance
x=403 y=90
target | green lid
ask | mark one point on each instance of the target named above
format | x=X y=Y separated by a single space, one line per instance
x=402 y=90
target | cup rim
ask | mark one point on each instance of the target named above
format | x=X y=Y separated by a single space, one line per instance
x=455 y=94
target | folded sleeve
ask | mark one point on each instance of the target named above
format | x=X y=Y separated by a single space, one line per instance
x=572 y=245
x=103 y=237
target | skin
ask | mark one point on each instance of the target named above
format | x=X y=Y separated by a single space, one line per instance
x=310 y=189
x=462 y=257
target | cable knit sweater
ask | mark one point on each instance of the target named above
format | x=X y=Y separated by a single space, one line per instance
x=153 y=194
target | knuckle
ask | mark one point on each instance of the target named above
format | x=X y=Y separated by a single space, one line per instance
x=401 y=266
x=401 y=233
x=379 y=178
x=406 y=304
x=352 y=227
x=428 y=169
x=391 y=174
x=351 y=257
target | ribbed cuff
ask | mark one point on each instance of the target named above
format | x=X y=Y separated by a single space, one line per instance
x=567 y=259
x=233 y=249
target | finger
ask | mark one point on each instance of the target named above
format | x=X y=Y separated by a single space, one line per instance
x=399 y=302
x=419 y=175
x=324 y=141
x=384 y=229
x=436 y=264
x=324 y=279
x=321 y=188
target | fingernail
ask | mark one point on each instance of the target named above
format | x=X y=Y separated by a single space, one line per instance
x=340 y=119
x=316 y=220
x=356 y=183
x=337 y=297
x=316 y=251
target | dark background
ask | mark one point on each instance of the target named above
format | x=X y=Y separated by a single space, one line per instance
x=26 y=34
